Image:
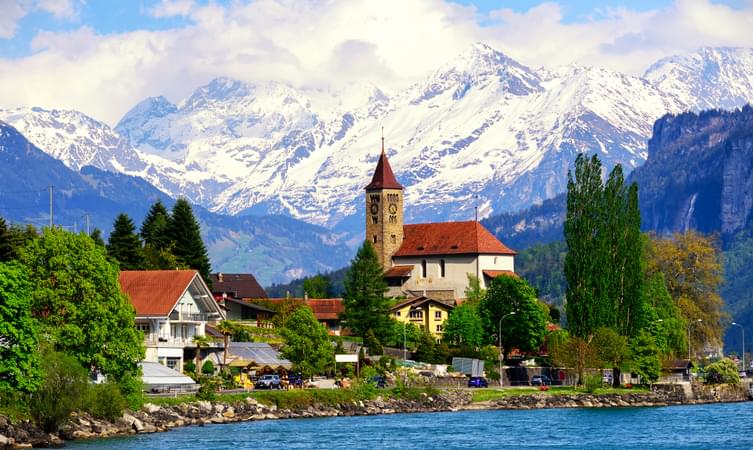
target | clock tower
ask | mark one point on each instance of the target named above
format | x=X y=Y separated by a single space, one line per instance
x=384 y=211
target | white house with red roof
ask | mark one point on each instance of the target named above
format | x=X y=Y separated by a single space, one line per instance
x=172 y=307
x=431 y=260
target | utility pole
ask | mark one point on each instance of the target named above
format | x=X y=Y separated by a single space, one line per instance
x=51 y=221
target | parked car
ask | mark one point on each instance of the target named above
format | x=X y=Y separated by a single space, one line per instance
x=477 y=382
x=268 y=382
x=295 y=380
x=540 y=380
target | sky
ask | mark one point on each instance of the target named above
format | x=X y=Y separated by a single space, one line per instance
x=102 y=57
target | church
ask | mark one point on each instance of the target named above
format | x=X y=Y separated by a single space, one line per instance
x=428 y=261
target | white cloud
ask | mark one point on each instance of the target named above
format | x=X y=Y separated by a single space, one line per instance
x=60 y=9
x=391 y=43
x=15 y=10
x=12 y=12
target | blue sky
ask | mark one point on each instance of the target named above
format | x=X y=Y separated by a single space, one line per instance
x=103 y=56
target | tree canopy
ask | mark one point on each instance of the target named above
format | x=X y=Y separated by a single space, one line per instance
x=185 y=232
x=317 y=286
x=307 y=343
x=527 y=328
x=77 y=300
x=365 y=304
x=464 y=326
x=124 y=244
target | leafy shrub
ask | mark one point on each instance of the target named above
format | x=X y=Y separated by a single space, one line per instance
x=592 y=382
x=371 y=341
x=722 y=371
x=207 y=368
x=207 y=389
x=62 y=391
x=105 y=401
x=189 y=367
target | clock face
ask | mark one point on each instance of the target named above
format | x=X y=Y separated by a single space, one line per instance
x=393 y=208
x=374 y=208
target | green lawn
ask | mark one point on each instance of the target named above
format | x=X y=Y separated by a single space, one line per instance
x=482 y=395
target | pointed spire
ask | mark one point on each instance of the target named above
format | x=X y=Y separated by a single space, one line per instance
x=383 y=177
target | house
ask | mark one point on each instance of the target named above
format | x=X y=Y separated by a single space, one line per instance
x=676 y=370
x=234 y=291
x=249 y=313
x=430 y=260
x=427 y=313
x=172 y=307
x=326 y=310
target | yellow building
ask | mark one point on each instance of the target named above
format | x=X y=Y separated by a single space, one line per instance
x=426 y=313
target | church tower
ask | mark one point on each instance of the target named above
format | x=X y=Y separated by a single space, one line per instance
x=384 y=211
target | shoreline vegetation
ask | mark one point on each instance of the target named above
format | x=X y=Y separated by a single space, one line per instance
x=163 y=414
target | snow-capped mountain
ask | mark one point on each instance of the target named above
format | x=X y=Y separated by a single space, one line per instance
x=481 y=130
x=707 y=79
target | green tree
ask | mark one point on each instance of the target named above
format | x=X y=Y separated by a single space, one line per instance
x=526 y=330
x=644 y=355
x=571 y=351
x=464 y=326
x=63 y=390
x=426 y=351
x=19 y=361
x=7 y=252
x=663 y=318
x=207 y=368
x=97 y=237
x=227 y=329
x=317 y=286
x=371 y=341
x=307 y=343
x=474 y=293
x=124 y=244
x=155 y=227
x=365 y=304
x=612 y=350
x=723 y=371
x=185 y=232
x=79 y=304
x=200 y=341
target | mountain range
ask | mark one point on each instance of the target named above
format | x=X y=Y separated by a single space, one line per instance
x=483 y=130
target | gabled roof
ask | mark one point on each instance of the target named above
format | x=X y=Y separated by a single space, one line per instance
x=238 y=285
x=155 y=292
x=324 y=308
x=418 y=302
x=248 y=304
x=383 y=177
x=450 y=238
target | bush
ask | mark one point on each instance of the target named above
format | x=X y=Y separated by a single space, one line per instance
x=371 y=341
x=62 y=391
x=207 y=368
x=207 y=389
x=105 y=401
x=722 y=371
x=592 y=382
x=189 y=367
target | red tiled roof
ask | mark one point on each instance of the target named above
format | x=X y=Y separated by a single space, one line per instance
x=155 y=292
x=398 y=272
x=450 y=238
x=419 y=301
x=496 y=273
x=238 y=285
x=324 y=308
x=383 y=177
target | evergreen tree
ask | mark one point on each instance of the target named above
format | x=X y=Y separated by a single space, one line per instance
x=365 y=305
x=6 y=245
x=185 y=233
x=97 y=237
x=154 y=228
x=317 y=286
x=124 y=244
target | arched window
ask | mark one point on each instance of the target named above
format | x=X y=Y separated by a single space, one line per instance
x=441 y=268
x=423 y=268
x=375 y=238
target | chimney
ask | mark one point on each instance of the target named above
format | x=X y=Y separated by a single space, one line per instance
x=305 y=296
x=219 y=277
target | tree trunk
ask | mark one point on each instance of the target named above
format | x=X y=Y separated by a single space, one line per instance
x=616 y=377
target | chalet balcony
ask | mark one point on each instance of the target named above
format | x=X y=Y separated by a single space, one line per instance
x=190 y=317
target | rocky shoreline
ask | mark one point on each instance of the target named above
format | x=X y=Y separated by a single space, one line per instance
x=153 y=418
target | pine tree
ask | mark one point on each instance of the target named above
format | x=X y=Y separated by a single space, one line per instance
x=6 y=244
x=365 y=305
x=154 y=228
x=124 y=244
x=185 y=232
x=97 y=237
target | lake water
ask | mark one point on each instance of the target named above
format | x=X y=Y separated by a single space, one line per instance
x=727 y=426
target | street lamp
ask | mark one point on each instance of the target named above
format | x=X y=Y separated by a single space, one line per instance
x=742 y=328
x=499 y=336
x=689 y=326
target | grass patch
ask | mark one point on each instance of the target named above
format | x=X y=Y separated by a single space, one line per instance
x=482 y=395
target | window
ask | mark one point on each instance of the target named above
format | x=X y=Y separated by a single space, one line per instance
x=393 y=219
x=375 y=219
x=441 y=268
x=374 y=198
x=397 y=313
x=423 y=269
x=393 y=238
x=173 y=363
x=437 y=315
x=416 y=314
x=439 y=328
x=374 y=237
x=144 y=328
x=495 y=260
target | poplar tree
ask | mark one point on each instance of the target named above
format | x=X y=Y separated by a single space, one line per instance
x=185 y=233
x=124 y=244
x=365 y=304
